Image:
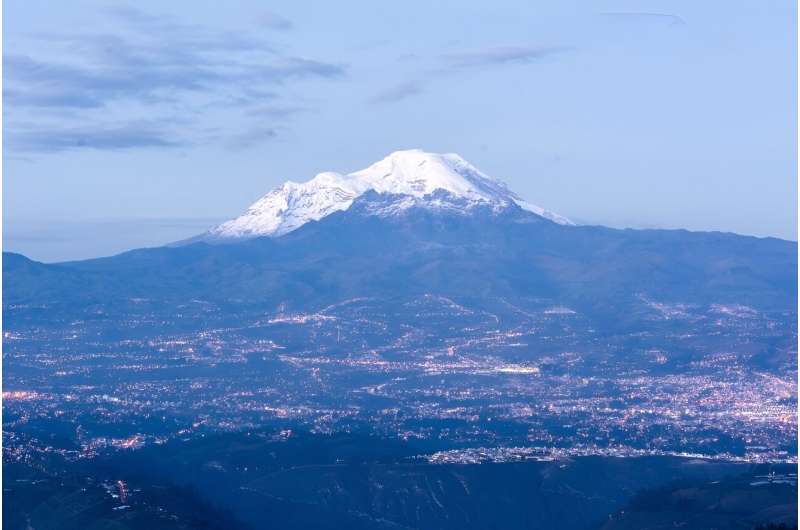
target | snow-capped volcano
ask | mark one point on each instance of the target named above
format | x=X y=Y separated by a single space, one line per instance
x=413 y=173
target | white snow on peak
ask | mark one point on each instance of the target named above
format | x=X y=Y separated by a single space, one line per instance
x=414 y=172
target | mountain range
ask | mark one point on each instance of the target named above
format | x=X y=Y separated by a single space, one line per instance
x=417 y=223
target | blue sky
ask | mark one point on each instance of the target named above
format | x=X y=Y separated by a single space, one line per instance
x=136 y=124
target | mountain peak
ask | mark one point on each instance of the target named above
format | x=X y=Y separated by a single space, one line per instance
x=416 y=172
x=413 y=172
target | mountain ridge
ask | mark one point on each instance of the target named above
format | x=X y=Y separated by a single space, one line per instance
x=509 y=253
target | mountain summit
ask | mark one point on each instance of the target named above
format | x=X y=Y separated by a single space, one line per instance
x=415 y=174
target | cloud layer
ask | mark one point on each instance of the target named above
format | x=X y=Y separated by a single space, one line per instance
x=91 y=90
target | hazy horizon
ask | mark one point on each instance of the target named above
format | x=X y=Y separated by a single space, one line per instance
x=52 y=241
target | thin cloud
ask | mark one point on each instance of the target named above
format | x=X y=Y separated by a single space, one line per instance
x=397 y=93
x=273 y=20
x=58 y=99
x=279 y=112
x=252 y=138
x=129 y=136
x=499 y=56
x=467 y=60
x=150 y=63
x=127 y=70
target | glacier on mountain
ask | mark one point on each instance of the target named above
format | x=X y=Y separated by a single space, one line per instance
x=413 y=173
